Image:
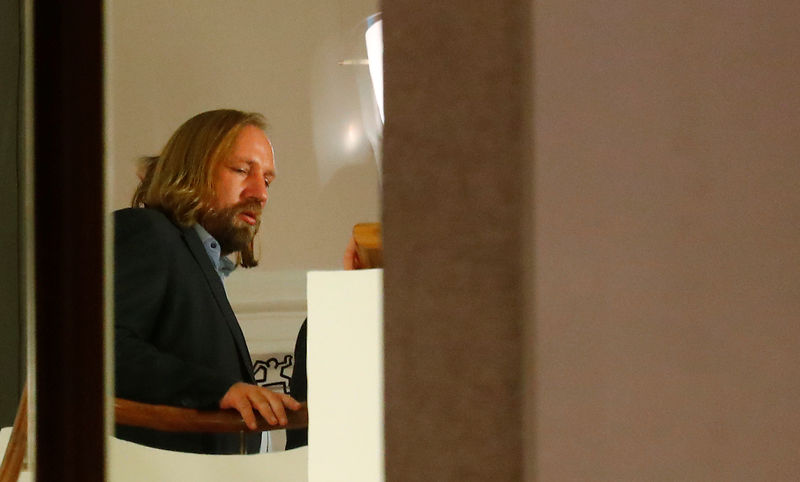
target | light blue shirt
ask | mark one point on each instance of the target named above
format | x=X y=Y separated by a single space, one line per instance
x=222 y=264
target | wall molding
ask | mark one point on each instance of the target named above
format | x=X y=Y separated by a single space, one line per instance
x=270 y=307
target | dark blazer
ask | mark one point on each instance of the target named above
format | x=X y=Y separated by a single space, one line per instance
x=177 y=341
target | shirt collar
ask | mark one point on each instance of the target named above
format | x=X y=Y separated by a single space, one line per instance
x=222 y=264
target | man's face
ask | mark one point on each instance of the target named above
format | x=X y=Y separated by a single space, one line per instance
x=240 y=183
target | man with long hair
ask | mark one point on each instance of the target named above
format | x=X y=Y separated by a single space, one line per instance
x=177 y=339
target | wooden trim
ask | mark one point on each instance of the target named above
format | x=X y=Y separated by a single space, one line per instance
x=177 y=419
x=157 y=417
x=17 y=444
x=68 y=236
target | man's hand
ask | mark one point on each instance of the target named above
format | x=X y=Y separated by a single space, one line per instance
x=351 y=260
x=244 y=396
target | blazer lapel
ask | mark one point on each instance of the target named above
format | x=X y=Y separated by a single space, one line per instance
x=218 y=290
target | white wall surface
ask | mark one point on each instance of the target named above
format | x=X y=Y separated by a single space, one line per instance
x=345 y=374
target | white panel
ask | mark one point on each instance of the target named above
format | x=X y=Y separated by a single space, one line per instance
x=345 y=376
x=133 y=462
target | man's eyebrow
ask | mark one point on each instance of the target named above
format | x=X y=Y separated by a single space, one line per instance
x=250 y=162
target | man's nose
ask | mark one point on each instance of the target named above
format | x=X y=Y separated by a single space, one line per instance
x=256 y=191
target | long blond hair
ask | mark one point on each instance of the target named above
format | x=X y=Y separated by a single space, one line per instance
x=179 y=181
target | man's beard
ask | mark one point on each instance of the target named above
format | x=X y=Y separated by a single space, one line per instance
x=232 y=233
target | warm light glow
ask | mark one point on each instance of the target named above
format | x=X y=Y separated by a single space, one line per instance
x=352 y=137
x=374 y=39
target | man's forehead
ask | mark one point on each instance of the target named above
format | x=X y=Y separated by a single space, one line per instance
x=254 y=146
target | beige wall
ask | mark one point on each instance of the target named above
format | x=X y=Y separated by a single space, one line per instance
x=171 y=60
x=665 y=298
